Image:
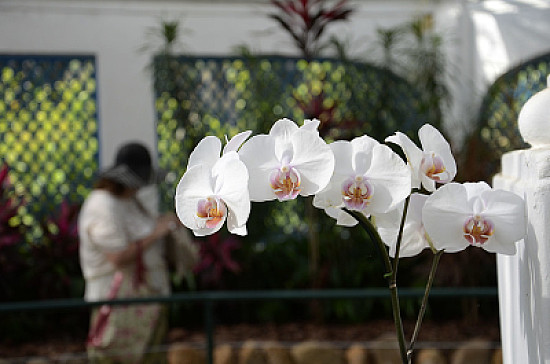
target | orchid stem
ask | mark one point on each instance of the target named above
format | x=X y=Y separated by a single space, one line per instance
x=400 y=235
x=424 y=304
x=390 y=277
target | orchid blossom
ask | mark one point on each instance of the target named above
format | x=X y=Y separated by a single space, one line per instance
x=457 y=216
x=414 y=237
x=214 y=189
x=433 y=163
x=368 y=177
x=287 y=162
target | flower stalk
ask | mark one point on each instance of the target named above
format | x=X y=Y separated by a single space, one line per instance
x=400 y=235
x=422 y=311
x=390 y=276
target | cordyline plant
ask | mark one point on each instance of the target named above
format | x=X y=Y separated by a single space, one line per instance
x=216 y=258
x=55 y=257
x=404 y=206
x=307 y=20
x=9 y=234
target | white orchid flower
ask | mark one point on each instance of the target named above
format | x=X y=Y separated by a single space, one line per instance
x=459 y=215
x=287 y=162
x=368 y=177
x=433 y=163
x=414 y=238
x=214 y=189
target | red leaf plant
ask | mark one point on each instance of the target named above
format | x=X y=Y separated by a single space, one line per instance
x=55 y=257
x=307 y=20
x=9 y=234
x=216 y=258
x=316 y=108
x=12 y=262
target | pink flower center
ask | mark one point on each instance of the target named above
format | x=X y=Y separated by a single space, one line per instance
x=478 y=230
x=212 y=211
x=285 y=183
x=433 y=167
x=356 y=193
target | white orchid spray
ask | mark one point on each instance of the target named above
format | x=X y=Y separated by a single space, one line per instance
x=358 y=181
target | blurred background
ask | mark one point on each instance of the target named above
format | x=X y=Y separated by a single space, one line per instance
x=78 y=78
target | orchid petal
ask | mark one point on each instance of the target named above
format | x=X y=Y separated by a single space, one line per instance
x=414 y=238
x=427 y=183
x=342 y=218
x=258 y=154
x=235 y=142
x=207 y=152
x=391 y=179
x=331 y=196
x=473 y=190
x=412 y=153
x=311 y=125
x=232 y=186
x=443 y=216
x=283 y=129
x=343 y=156
x=361 y=150
x=507 y=211
x=314 y=160
x=234 y=227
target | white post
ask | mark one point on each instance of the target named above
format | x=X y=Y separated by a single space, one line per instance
x=524 y=278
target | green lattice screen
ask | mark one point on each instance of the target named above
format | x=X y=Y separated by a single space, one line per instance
x=504 y=100
x=48 y=129
x=222 y=96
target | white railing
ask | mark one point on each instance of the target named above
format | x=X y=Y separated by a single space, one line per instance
x=524 y=278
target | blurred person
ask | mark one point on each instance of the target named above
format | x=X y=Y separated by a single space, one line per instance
x=121 y=256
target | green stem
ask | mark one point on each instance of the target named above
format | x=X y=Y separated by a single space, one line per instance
x=400 y=235
x=424 y=304
x=390 y=277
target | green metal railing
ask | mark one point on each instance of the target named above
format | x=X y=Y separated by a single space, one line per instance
x=209 y=298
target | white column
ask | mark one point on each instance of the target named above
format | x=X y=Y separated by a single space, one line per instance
x=524 y=278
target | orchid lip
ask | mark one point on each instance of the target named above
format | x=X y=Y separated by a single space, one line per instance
x=477 y=230
x=356 y=193
x=285 y=182
x=211 y=212
x=433 y=167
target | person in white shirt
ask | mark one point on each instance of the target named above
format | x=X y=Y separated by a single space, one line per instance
x=121 y=256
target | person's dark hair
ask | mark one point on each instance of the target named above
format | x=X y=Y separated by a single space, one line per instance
x=132 y=168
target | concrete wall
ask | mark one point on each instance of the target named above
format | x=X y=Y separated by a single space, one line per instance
x=115 y=30
x=482 y=39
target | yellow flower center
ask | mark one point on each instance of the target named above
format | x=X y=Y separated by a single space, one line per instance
x=212 y=211
x=478 y=230
x=433 y=167
x=285 y=183
x=356 y=193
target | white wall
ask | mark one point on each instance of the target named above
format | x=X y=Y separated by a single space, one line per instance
x=114 y=31
x=482 y=39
